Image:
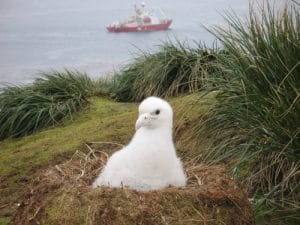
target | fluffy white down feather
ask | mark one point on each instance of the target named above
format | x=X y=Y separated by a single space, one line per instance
x=149 y=161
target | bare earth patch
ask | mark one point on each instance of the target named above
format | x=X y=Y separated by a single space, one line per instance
x=62 y=195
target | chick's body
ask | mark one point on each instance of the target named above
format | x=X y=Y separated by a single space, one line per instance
x=149 y=161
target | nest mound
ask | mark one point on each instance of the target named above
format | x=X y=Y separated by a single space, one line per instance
x=62 y=194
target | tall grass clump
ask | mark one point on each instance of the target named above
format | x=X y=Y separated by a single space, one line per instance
x=174 y=69
x=256 y=120
x=49 y=99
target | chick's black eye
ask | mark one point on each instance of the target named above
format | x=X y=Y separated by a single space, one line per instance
x=157 y=112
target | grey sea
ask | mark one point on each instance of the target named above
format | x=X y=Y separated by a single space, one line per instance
x=48 y=35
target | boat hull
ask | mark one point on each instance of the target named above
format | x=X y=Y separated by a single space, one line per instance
x=152 y=27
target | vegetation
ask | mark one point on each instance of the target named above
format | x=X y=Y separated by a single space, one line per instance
x=174 y=69
x=23 y=159
x=256 y=117
x=52 y=97
x=4 y=221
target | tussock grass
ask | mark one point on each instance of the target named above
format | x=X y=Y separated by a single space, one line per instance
x=65 y=84
x=255 y=122
x=49 y=99
x=174 y=69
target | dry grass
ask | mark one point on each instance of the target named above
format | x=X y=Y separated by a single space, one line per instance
x=62 y=195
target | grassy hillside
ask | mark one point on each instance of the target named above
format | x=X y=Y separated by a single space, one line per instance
x=103 y=121
x=21 y=159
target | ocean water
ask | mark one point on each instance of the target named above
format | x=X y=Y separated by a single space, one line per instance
x=48 y=35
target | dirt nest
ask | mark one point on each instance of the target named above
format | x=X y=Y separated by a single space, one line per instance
x=62 y=195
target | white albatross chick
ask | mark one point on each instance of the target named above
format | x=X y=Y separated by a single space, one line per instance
x=149 y=161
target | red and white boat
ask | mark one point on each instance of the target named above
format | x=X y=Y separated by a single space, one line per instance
x=142 y=20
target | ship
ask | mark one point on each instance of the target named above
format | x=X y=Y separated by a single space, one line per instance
x=141 y=20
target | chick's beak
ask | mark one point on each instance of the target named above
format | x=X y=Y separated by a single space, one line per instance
x=143 y=120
